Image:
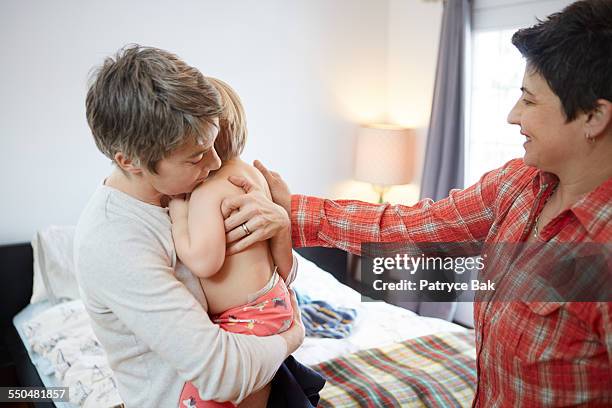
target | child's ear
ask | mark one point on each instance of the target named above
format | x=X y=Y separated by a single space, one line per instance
x=127 y=164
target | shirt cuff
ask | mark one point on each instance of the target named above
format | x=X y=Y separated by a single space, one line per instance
x=306 y=216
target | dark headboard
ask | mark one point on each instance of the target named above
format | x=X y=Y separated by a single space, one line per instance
x=16 y=267
x=332 y=260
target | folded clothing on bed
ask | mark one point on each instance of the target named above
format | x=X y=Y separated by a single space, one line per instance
x=324 y=320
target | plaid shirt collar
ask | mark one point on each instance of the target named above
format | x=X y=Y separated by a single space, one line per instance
x=593 y=211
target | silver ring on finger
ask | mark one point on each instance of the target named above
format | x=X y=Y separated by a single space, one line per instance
x=246 y=229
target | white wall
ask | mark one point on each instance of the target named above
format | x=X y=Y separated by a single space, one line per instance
x=413 y=29
x=414 y=34
x=308 y=71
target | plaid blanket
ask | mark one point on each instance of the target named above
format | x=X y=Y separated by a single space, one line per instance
x=430 y=371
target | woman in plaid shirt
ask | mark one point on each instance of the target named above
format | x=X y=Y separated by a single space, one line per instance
x=529 y=354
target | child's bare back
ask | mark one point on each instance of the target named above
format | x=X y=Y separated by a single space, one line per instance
x=244 y=273
x=229 y=281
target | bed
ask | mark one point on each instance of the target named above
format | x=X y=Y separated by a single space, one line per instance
x=392 y=357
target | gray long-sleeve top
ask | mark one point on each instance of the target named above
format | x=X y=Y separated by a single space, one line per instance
x=149 y=311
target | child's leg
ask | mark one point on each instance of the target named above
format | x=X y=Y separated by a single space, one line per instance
x=190 y=398
x=258 y=399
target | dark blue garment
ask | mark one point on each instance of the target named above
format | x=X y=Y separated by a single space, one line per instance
x=295 y=386
x=321 y=319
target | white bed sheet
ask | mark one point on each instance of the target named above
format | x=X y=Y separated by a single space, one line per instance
x=377 y=323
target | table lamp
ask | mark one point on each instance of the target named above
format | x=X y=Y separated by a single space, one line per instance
x=384 y=156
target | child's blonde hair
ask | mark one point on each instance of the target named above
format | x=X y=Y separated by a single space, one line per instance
x=232 y=122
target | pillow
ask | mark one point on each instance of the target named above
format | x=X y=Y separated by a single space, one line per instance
x=54 y=278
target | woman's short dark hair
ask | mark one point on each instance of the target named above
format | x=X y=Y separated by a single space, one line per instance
x=572 y=51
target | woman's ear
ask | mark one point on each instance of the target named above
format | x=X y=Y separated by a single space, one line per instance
x=129 y=165
x=599 y=120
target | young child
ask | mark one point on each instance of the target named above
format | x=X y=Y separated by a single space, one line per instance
x=246 y=292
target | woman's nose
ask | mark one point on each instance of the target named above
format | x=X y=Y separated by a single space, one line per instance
x=215 y=161
x=514 y=116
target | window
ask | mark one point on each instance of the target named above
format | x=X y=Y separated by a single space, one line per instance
x=497 y=75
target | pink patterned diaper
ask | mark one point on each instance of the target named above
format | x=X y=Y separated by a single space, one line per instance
x=269 y=314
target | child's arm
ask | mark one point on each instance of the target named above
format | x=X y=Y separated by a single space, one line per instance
x=197 y=229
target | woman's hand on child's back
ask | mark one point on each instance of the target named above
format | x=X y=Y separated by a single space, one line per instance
x=251 y=217
x=278 y=188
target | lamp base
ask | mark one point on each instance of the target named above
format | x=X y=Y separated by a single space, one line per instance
x=380 y=190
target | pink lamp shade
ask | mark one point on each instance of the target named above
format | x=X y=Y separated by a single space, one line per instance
x=385 y=155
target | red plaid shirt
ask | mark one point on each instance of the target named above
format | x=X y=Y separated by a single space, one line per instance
x=528 y=354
